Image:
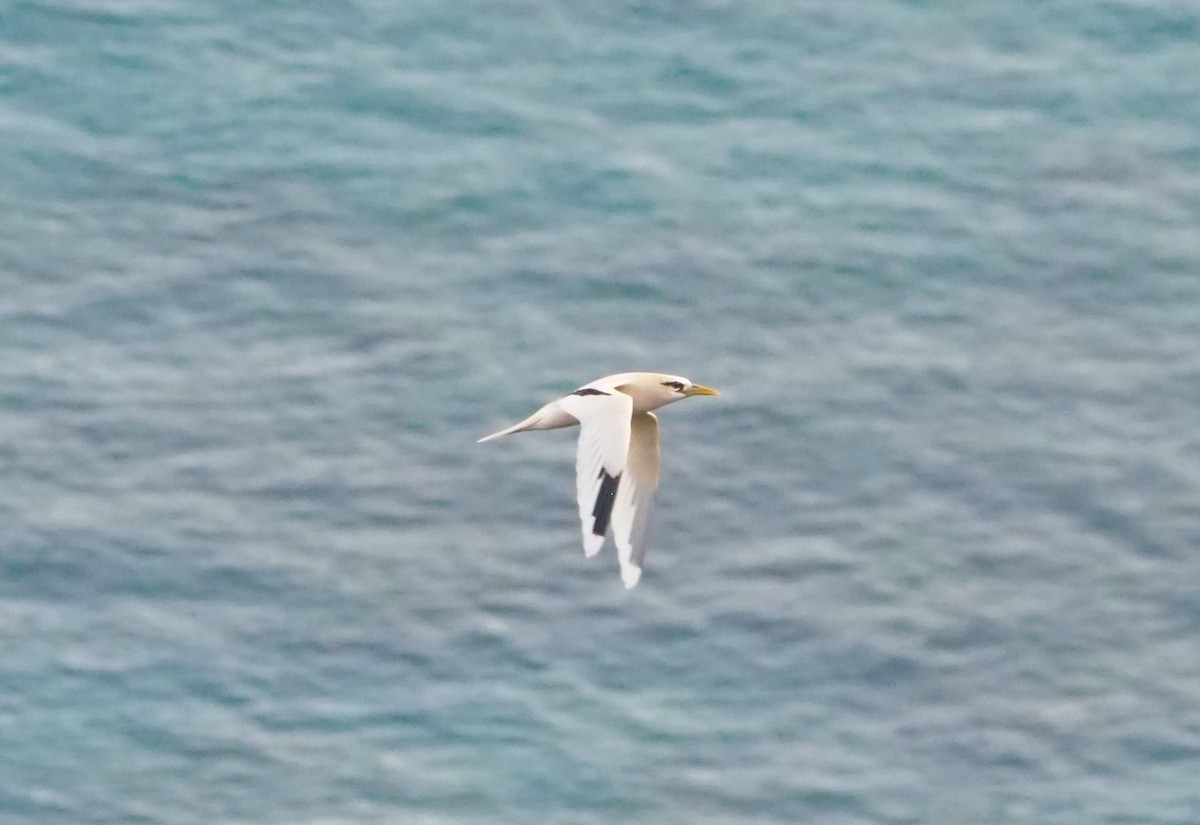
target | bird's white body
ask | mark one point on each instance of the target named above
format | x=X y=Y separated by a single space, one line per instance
x=643 y=388
x=617 y=462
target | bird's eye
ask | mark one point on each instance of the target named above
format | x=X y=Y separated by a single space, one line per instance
x=675 y=385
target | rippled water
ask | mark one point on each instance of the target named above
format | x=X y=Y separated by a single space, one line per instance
x=267 y=271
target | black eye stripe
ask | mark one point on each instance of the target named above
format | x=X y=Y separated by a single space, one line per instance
x=675 y=385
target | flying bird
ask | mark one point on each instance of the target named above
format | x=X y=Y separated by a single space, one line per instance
x=616 y=466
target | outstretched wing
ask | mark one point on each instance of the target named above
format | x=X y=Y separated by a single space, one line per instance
x=635 y=496
x=600 y=462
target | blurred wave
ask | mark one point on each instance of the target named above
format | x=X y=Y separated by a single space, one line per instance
x=267 y=272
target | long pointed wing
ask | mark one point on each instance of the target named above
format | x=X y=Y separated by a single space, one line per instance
x=635 y=497
x=600 y=461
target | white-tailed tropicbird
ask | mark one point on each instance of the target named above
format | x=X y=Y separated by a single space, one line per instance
x=616 y=467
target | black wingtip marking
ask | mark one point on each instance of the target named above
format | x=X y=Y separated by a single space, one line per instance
x=605 y=499
x=590 y=391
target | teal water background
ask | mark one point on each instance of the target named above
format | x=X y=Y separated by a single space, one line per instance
x=267 y=271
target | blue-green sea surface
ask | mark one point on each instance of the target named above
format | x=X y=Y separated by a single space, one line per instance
x=268 y=270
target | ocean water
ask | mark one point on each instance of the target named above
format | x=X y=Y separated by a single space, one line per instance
x=268 y=270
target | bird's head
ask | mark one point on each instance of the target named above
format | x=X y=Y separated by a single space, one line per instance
x=677 y=385
x=651 y=389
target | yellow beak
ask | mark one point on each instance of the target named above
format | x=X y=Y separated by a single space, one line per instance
x=697 y=389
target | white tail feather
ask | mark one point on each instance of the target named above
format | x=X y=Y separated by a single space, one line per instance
x=515 y=428
x=549 y=417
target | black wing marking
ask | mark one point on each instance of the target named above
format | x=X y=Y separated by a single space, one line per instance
x=605 y=499
x=590 y=391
